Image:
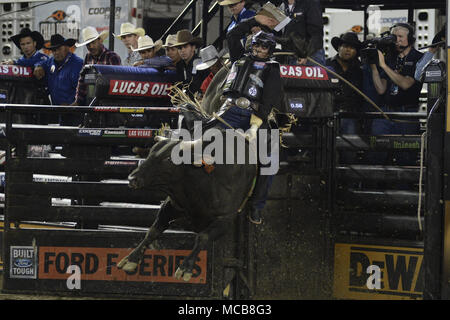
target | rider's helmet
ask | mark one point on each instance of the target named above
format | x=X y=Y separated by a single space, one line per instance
x=265 y=40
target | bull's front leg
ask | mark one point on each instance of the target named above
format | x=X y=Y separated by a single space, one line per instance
x=214 y=231
x=166 y=213
x=131 y=261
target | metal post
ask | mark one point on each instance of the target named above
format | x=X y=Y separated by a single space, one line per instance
x=205 y=21
x=221 y=16
x=194 y=15
x=112 y=22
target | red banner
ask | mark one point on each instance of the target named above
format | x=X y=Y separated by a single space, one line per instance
x=303 y=72
x=16 y=71
x=138 y=88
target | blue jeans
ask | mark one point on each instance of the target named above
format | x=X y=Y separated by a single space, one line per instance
x=239 y=118
x=348 y=126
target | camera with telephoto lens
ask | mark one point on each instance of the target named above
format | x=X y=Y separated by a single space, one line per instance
x=385 y=43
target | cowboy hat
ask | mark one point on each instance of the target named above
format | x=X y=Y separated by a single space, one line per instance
x=58 y=40
x=185 y=37
x=350 y=38
x=228 y=2
x=170 y=41
x=129 y=28
x=90 y=34
x=26 y=32
x=146 y=42
x=209 y=56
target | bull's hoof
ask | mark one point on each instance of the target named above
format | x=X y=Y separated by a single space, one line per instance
x=131 y=261
x=180 y=273
x=127 y=265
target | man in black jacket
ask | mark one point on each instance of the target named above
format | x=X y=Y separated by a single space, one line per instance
x=187 y=45
x=346 y=63
x=306 y=22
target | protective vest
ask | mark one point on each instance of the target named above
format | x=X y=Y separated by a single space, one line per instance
x=245 y=79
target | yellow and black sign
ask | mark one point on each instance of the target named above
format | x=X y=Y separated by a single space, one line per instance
x=357 y=267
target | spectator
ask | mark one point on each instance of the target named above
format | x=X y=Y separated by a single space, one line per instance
x=307 y=23
x=238 y=11
x=346 y=64
x=428 y=56
x=97 y=54
x=401 y=91
x=29 y=42
x=61 y=73
x=211 y=61
x=187 y=45
x=171 y=51
x=129 y=35
x=148 y=49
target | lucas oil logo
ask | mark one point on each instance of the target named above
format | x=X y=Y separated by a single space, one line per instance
x=22 y=263
x=303 y=72
x=138 y=88
x=377 y=272
x=15 y=71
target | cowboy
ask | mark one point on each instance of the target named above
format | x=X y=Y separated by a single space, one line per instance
x=346 y=63
x=187 y=45
x=253 y=88
x=171 y=51
x=148 y=50
x=29 y=42
x=238 y=11
x=97 y=54
x=61 y=73
x=211 y=61
x=129 y=35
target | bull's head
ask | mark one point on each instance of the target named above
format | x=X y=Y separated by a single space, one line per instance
x=153 y=170
x=157 y=170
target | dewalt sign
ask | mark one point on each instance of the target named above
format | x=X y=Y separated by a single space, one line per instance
x=377 y=272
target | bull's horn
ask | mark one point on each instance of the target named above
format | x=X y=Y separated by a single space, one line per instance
x=189 y=145
x=160 y=138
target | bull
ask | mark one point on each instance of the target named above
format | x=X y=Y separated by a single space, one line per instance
x=208 y=196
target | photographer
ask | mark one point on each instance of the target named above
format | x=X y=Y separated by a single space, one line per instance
x=401 y=91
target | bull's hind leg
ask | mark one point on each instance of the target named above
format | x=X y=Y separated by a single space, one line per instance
x=213 y=232
x=166 y=213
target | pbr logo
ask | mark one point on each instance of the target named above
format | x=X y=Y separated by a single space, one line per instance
x=23 y=262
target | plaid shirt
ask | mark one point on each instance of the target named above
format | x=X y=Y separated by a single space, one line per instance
x=132 y=57
x=107 y=57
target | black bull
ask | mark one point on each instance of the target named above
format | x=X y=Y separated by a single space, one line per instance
x=209 y=199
